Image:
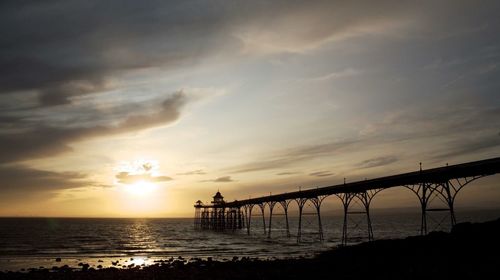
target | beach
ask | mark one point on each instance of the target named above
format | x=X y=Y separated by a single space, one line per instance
x=468 y=251
x=38 y=242
x=259 y=139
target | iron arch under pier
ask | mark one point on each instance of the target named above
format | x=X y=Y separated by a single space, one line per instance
x=442 y=183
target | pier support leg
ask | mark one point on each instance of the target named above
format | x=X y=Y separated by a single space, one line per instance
x=369 y=222
x=450 y=200
x=271 y=207
x=446 y=191
x=222 y=219
x=197 y=217
x=239 y=226
x=346 y=199
x=452 y=188
x=248 y=212
x=285 y=204
x=206 y=221
x=317 y=204
x=366 y=199
x=301 y=202
x=210 y=219
x=262 y=207
x=202 y=221
x=423 y=192
x=423 y=205
x=234 y=219
x=242 y=218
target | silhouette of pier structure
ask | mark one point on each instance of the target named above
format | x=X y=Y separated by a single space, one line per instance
x=443 y=183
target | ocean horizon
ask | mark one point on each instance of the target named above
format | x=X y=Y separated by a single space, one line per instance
x=34 y=242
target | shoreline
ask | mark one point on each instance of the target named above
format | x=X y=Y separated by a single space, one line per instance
x=468 y=250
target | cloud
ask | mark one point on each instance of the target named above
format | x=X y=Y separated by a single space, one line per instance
x=301 y=26
x=31 y=139
x=85 y=47
x=305 y=26
x=467 y=146
x=290 y=156
x=169 y=111
x=20 y=180
x=92 y=44
x=393 y=130
x=349 y=72
x=127 y=178
x=435 y=122
x=194 y=172
x=468 y=132
x=225 y=179
x=378 y=161
x=286 y=173
x=325 y=173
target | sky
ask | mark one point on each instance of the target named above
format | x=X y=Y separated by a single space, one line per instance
x=140 y=108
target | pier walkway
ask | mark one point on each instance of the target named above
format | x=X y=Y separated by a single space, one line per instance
x=442 y=182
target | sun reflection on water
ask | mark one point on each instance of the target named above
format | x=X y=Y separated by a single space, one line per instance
x=138 y=261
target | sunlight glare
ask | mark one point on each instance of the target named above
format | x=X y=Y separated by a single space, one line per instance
x=138 y=261
x=140 y=188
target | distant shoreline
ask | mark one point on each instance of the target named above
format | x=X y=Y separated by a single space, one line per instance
x=469 y=251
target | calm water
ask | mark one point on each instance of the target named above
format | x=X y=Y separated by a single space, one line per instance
x=35 y=242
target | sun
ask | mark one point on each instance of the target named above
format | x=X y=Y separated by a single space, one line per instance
x=139 y=177
x=141 y=188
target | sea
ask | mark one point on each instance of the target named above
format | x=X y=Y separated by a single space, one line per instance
x=122 y=242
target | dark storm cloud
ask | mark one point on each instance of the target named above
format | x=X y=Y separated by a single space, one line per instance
x=34 y=140
x=127 y=178
x=378 y=161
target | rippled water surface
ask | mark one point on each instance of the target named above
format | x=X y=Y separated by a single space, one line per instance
x=35 y=242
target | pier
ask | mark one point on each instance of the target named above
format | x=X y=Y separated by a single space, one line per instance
x=442 y=183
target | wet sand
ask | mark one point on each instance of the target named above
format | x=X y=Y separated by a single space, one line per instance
x=469 y=251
